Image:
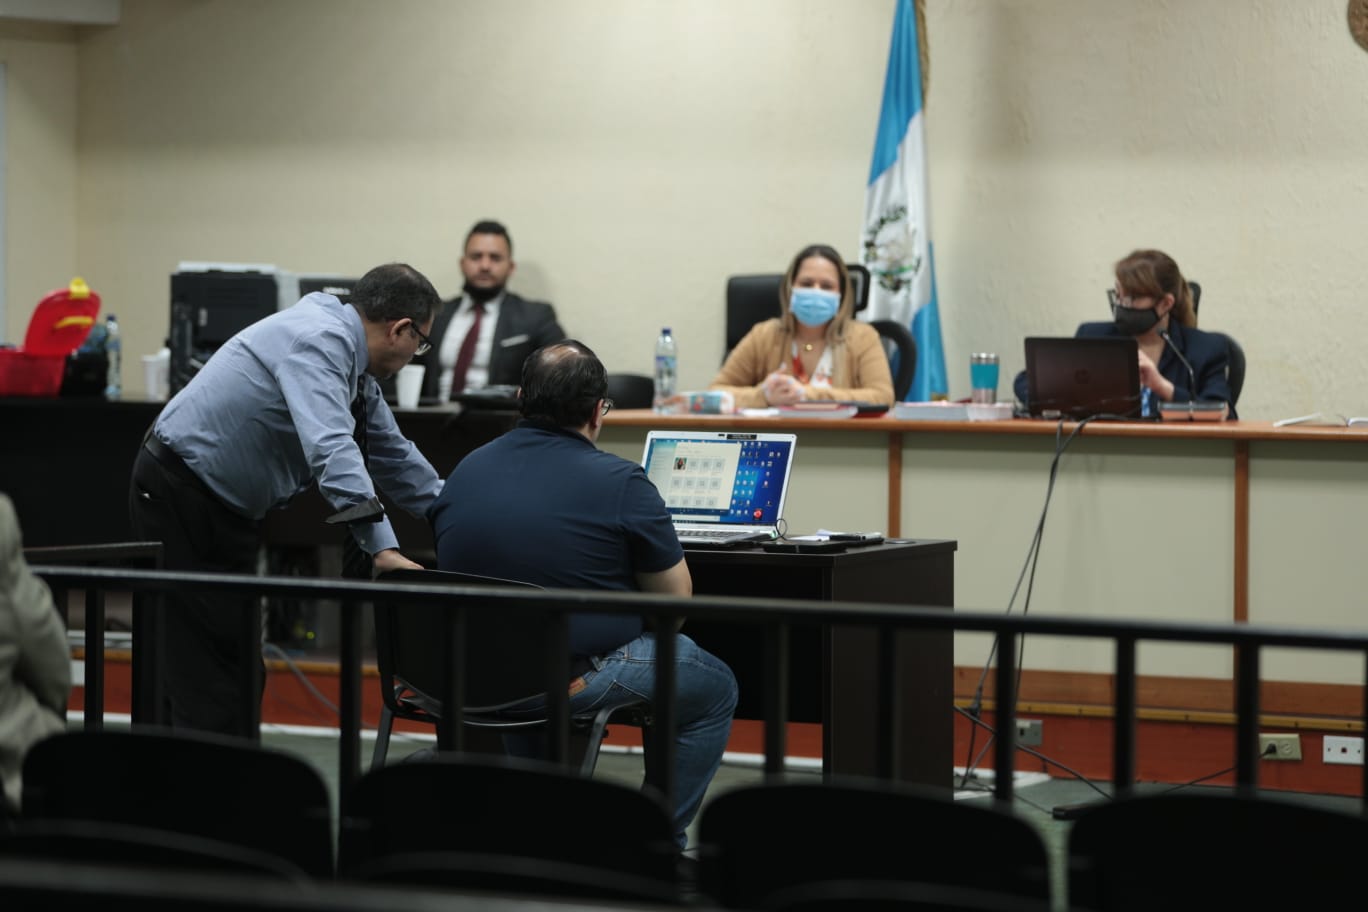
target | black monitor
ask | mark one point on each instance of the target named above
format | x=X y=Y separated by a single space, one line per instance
x=208 y=308
x=336 y=286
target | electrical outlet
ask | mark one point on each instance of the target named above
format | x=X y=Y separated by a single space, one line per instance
x=1337 y=749
x=1285 y=747
x=1029 y=732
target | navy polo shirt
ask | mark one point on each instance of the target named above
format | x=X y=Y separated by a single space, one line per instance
x=543 y=505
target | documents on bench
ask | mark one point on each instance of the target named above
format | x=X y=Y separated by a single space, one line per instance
x=1319 y=419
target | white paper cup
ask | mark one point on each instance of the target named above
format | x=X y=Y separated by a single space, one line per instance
x=157 y=376
x=409 y=384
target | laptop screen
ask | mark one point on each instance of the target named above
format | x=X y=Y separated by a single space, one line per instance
x=720 y=477
x=1079 y=378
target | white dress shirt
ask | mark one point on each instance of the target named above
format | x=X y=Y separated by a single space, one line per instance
x=461 y=321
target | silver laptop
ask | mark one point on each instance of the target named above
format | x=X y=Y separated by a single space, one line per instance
x=721 y=487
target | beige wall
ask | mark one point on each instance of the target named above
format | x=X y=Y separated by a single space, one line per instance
x=40 y=167
x=642 y=150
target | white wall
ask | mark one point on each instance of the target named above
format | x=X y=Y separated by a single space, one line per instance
x=642 y=150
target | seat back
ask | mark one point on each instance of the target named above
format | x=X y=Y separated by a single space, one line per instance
x=506 y=668
x=478 y=824
x=631 y=391
x=222 y=789
x=1252 y=853
x=753 y=298
x=1235 y=367
x=901 y=349
x=760 y=843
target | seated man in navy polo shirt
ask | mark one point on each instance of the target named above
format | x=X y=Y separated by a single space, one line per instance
x=542 y=504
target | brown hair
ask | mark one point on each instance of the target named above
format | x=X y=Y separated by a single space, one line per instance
x=1153 y=274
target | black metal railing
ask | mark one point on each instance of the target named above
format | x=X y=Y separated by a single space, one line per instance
x=775 y=617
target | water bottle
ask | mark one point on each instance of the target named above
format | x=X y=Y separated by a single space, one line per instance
x=113 y=351
x=666 y=366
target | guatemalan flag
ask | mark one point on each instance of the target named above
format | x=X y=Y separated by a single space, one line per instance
x=896 y=238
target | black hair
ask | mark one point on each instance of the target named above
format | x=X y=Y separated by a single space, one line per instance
x=489 y=226
x=562 y=383
x=395 y=291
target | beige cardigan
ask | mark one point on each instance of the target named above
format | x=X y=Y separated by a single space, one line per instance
x=859 y=366
x=35 y=663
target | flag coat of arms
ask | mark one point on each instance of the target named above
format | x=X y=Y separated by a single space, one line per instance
x=896 y=241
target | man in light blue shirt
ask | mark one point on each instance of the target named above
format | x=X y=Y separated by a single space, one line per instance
x=273 y=411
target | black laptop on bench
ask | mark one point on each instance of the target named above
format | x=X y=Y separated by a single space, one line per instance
x=1068 y=377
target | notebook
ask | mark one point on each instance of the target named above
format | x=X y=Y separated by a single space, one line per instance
x=1080 y=378
x=721 y=487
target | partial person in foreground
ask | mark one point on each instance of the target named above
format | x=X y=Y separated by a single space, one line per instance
x=35 y=663
x=289 y=401
x=483 y=337
x=1149 y=301
x=816 y=351
x=542 y=504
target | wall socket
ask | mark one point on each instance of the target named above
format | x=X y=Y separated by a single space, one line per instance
x=1029 y=732
x=1336 y=749
x=1285 y=747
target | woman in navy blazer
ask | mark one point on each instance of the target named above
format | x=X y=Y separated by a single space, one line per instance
x=1152 y=300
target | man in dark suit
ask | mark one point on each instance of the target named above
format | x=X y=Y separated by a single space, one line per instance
x=482 y=338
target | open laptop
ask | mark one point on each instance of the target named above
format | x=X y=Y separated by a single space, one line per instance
x=1080 y=378
x=721 y=487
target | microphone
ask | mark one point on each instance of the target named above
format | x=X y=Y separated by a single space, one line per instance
x=1192 y=375
x=1193 y=410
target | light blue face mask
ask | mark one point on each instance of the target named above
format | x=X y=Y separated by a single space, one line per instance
x=813 y=306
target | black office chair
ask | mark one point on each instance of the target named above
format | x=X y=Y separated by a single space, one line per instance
x=1235 y=367
x=763 y=845
x=137 y=848
x=753 y=298
x=1204 y=850
x=514 y=826
x=901 y=349
x=204 y=788
x=503 y=669
x=631 y=391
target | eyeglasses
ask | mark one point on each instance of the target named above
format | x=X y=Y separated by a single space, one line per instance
x=424 y=343
x=606 y=407
x=1120 y=301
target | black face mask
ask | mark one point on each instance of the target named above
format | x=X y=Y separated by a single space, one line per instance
x=483 y=295
x=1134 y=321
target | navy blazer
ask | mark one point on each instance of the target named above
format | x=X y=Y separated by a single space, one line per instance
x=524 y=326
x=1208 y=354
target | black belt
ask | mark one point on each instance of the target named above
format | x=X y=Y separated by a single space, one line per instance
x=168 y=459
x=580 y=665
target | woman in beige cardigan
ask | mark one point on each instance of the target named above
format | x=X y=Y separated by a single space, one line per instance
x=816 y=351
x=35 y=665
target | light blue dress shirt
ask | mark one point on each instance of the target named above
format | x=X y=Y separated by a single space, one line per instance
x=271 y=412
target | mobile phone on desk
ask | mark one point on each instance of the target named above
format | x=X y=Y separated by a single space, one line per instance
x=857 y=539
x=807 y=545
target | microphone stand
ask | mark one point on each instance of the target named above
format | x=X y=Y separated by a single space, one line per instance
x=1192 y=381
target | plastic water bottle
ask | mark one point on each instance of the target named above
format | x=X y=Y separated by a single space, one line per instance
x=114 y=352
x=666 y=369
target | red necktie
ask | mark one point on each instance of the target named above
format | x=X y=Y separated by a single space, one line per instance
x=467 y=352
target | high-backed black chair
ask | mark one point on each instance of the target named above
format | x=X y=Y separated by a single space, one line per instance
x=1213 y=851
x=504 y=668
x=631 y=391
x=762 y=846
x=753 y=298
x=201 y=788
x=511 y=826
x=901 y=349
x=1235 y=367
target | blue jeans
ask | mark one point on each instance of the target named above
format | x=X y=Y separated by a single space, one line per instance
x=705 y=691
